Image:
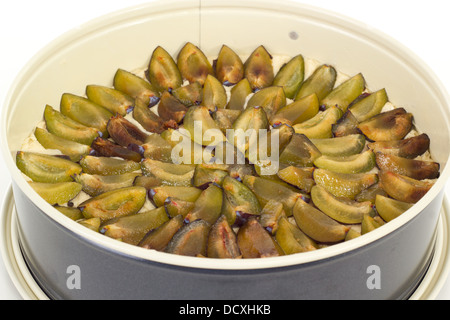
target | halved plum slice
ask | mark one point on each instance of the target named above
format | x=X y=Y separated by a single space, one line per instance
x=46 y=168
x=70 y=212
x=403 y=188
x=298 y=111
x=239 y=94
x=92 y=224
x=293 y=240
x=159 y=238
x=352 y=234
x=258 y=69
x=95 y=185
x=346 y=125
x=125 y=133
x=387 y=126
x=114 y=100
x=317 y=224
x=58 y=193
x=369 y=106
x=107 y=166
x=222 y=241
x=266 y=190
x=85 y=112
x=407 y=148
x=300 y=152
x=371 y=193
x=169 y=173
x=72 y=149
x=238 y=199
x=357 y=163
x=147 y=182
x=107 y=148
x=320 y=126
x=270 y=215
x=321 y=82
x=214 y=94
x=159 y=194
x=291 y=76
x=177 y=207
x=204 y=176
x=346 y=185
x=271 y=99
x=64 y=127
x=149 y=120
x=254 y=241
x=229 y=67
x=114 y=204
x=193 y=64
x=157 y=148
x=341 y=146
x=225 y=118
x=170 y=108
x=370 y=223
x=416 y=169
x=208 y=206
x=163 y=72
x=342 y=210
x=389 y=208
x=344 y=94
x=189 y=95
x=247 y=127
x=198 y=122
x=302 y=178
x=190 y=240
x=132 y=229
x=185 y=151
x=136 y=87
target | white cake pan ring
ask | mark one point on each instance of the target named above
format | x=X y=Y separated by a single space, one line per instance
x=53 y=245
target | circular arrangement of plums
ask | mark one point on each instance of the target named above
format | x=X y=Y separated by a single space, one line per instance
x=345 y=165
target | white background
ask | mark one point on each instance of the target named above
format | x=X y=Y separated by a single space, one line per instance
x=26 y=26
